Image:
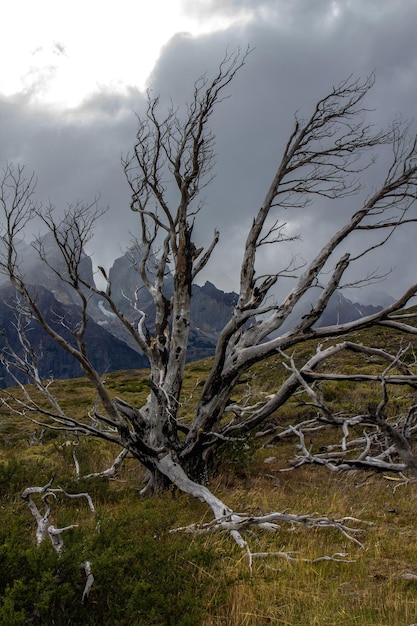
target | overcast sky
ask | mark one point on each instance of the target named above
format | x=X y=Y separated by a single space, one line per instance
x=73 y=74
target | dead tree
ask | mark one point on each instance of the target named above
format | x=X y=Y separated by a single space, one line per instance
x=324 y=157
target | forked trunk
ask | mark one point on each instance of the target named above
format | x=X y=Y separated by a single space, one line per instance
x=199 y=469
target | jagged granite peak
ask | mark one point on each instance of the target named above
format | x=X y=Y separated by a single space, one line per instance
x=211 y=307
x=127 y=284
x=112 y=347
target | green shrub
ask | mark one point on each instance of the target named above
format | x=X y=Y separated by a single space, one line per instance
x=143 y=575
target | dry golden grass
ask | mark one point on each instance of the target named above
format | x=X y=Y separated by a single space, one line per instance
x=369 y=591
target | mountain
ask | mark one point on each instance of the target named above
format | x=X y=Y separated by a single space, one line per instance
x=111 y=346
x=210 y=307
x=107 y=352
x=341 y=310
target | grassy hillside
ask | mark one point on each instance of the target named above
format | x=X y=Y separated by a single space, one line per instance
x=145 y=575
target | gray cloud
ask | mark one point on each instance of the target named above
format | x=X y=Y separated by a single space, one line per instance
x=76 y=155
x=301 y=49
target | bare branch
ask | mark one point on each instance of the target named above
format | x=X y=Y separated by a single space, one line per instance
x=327 y=155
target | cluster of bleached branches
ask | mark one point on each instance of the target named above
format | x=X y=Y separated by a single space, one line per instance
x=375 y=438
x=45 y=529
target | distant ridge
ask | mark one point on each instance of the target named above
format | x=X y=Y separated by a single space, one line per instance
x=111 y=346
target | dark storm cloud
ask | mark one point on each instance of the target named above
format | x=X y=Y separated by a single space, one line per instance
x=300 y=49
